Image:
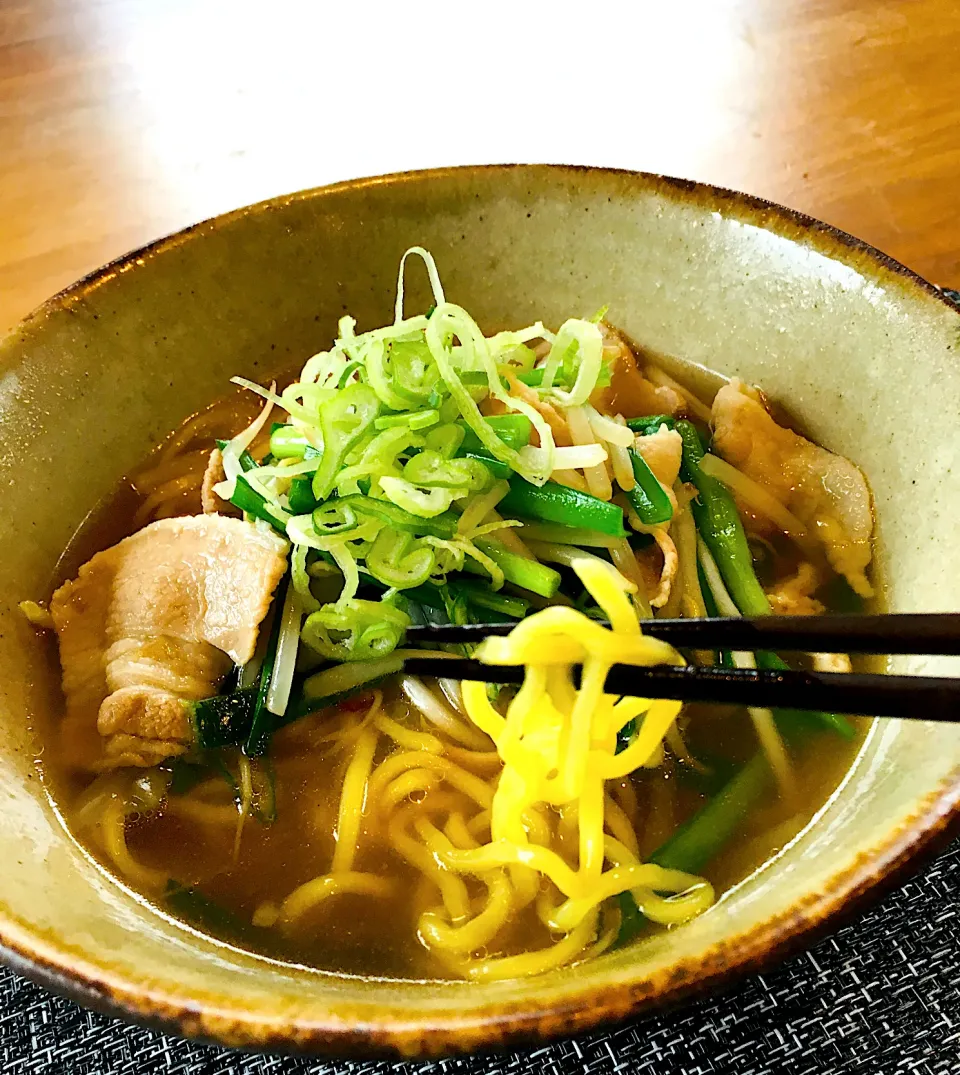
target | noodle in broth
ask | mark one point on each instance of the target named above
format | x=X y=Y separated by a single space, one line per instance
x=424 y=829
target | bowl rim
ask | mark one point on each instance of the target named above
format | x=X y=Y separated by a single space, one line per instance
x=828 y=239
x=935 y=820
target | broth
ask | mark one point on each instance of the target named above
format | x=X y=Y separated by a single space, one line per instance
x=195 y=859
x=382 y=940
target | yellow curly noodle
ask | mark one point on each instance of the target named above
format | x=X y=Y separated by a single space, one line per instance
x=112 y=832
x=556 y=747
x=534 y=817
x=342 y=877
x=102 y=811
x=169 y=482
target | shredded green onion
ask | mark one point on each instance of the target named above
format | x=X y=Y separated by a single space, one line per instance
x=386 y=470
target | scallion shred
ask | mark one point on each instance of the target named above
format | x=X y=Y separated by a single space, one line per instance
x=386 y=444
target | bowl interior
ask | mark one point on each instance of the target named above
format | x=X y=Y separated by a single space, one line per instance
x=100 y=373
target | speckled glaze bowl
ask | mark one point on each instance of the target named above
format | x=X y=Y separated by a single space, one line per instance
x=858 y=347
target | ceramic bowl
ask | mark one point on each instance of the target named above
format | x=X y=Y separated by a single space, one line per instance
x=862 y=350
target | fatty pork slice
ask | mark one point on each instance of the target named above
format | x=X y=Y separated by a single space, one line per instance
x=154 y=621
x=662 y=452
x=210 y=500
x=629 y=392
x=825 y=491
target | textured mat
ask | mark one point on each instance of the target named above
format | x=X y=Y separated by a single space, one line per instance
x=881 y=996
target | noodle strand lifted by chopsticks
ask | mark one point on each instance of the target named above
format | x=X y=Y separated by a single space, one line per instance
x=487 y=843
x=558 y=746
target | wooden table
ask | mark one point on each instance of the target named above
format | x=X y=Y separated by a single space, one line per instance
x=121 y=120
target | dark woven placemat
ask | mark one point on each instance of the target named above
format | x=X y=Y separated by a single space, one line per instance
x=880 y=996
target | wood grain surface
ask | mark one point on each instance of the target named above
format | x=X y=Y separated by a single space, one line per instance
x=121 y=120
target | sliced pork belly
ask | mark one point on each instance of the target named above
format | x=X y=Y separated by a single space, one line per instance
x=793 y=596
x=825 y=491
x=662 y=452
x=158 y=619
x=629 y=392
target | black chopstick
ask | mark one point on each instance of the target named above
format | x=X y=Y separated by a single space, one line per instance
x=917 y=697
x=926 y=633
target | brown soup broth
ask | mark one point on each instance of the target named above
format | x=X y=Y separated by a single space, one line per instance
x=229 y=879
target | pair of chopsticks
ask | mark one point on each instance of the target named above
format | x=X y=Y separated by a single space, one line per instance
x=920 y=697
